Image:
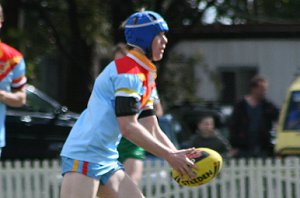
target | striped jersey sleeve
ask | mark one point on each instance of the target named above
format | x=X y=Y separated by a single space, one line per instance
x=153 y=99
x=128 y=85
x=19 y=78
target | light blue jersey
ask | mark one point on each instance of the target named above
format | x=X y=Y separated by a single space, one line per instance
x=12 y=76
x=96 y=134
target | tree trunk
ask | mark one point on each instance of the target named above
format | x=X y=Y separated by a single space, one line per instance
x=79 y=78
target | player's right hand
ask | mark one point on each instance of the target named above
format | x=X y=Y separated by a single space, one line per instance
x=180 y=161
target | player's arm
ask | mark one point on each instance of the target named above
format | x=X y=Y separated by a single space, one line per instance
x=127 y=115
x=16 y=98
x=135 y=132
x=149 y=120
x=151 y=124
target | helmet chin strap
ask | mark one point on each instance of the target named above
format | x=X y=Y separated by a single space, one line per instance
x=148 y=53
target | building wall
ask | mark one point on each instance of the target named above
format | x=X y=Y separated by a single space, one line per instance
x=277 y=59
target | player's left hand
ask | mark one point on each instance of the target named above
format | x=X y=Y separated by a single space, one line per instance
x=193 y=154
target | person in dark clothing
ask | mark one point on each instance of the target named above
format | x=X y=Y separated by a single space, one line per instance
x=252 y=121
x=207 y=136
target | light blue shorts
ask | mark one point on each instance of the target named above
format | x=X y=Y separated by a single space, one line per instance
x=93 y=170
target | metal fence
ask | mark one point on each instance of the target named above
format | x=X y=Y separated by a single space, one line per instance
x=253 y=178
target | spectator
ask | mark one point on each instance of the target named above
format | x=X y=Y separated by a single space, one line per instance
x=252 y=121
x=207 y=136
x=12 y=81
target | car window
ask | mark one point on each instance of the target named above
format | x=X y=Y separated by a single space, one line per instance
x=34 y=103
x=292 y=120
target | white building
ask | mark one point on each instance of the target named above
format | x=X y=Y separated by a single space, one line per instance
x=236 y=53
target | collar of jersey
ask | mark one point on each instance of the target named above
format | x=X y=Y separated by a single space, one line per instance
x=141 y=59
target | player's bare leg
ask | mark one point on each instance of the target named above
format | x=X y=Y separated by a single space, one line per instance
x=76 y=185
x=134 y=169
x=120 y=186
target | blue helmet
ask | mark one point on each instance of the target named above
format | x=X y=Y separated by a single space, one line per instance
x=142 y=27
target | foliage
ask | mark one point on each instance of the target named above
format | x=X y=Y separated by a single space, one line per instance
x=67 y=40
x=180 y=79
x=66 y=37
x=259 y=11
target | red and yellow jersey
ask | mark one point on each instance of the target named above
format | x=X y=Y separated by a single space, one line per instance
x=12 y=76
x=136 y=64
x=131 y=76
x=12 y=68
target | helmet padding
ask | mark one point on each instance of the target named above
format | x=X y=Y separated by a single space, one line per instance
x=142 y=27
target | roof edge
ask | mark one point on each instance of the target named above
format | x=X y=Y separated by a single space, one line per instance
x=239 y=31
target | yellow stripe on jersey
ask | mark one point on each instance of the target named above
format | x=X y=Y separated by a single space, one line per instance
x=15 y=60
x=127 y=92
x=75 y=165
x=150 y=102
x=142 y=77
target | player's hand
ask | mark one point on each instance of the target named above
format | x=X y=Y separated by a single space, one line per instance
x=2 y=95
x=180 y=161
x=194 y=154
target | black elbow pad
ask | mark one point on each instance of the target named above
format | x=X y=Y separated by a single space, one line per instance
x=125 y=106
x=147 y=113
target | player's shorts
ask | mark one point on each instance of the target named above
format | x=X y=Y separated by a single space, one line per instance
x=93 y=170
x=129 y=150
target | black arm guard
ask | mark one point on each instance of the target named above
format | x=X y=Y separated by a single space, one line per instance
x=125 y=106
x=146 y=113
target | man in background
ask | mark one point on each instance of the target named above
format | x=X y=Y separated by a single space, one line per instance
x=252 y=121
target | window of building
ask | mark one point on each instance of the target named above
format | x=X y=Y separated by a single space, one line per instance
x=235 y=82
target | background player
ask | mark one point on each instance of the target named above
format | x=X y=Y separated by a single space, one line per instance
x=12 y=81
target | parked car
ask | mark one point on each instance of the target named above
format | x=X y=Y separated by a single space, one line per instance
x=187 y=115
x=288 y=130
x=38 y=129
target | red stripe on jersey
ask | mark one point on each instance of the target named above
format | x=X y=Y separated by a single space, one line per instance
x=85 y=168
x=17 y=80
x=4 y=74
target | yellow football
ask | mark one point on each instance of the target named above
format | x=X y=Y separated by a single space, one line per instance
x=209 y=165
